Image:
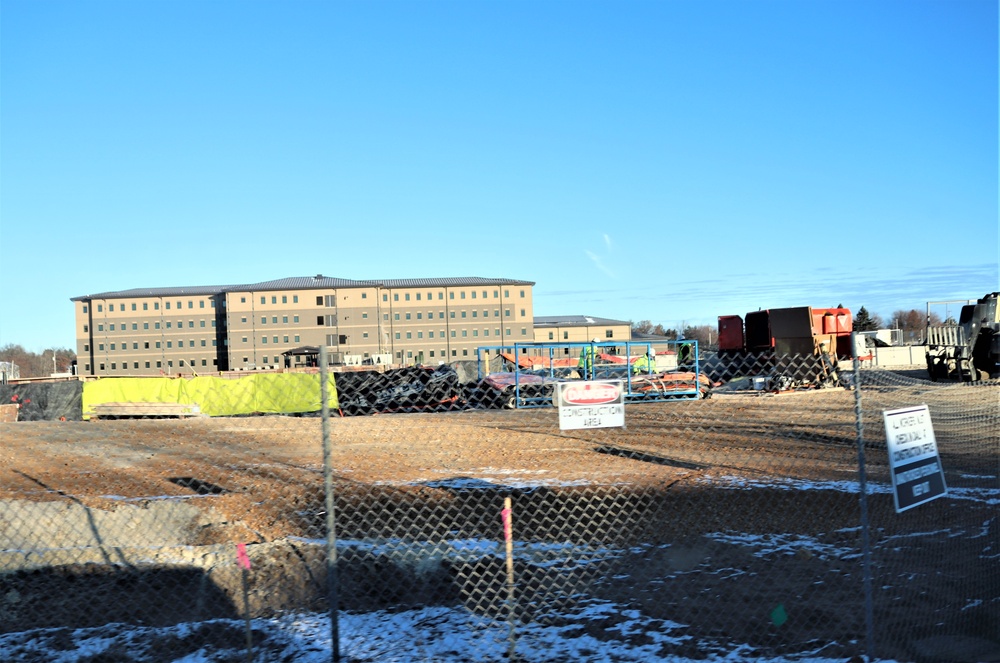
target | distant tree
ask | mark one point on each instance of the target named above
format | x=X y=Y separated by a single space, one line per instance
x=864 y=321
x=706 y=336
x=646 y=327
x=642 y=327
x=34 y=365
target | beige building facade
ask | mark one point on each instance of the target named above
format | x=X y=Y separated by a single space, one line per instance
x=245 y=327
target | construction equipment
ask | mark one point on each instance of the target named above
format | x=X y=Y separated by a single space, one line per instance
x=792 y=347
x=968 y=350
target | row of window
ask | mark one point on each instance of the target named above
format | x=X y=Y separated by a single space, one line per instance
x=455 y=333
x=156 y=306
x=440 y=295
x=124 y=326
x=149 y=364
x=145 y=345
x=274 y=319
x=274 y=299
x=451 y=314
x=263 y=339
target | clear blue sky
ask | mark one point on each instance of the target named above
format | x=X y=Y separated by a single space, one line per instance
x=670 y=161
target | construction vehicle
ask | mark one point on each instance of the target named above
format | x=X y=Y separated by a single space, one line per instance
x=790 y=347
x=968 y=350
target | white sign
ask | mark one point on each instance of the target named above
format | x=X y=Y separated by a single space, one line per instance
x=595 y=404
x=917 y=475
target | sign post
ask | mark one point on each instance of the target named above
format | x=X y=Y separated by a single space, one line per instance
x=917 y=475
x=594 y=404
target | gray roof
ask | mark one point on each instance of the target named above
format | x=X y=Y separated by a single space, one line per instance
x=302 y=283
x=575 y=321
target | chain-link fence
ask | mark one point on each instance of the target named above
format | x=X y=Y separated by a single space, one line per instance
x=421 y=521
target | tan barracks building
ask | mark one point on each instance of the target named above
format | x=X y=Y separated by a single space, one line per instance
x=206 y=329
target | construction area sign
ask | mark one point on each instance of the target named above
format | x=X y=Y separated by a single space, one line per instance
x=917 y=475
x=593 y=404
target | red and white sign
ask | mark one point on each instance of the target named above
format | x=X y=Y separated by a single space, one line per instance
x=590 y=404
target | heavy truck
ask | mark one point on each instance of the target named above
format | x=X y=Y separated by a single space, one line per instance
x=784 y=347
x=967 y=350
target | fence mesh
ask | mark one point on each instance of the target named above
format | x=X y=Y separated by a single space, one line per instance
x=727 y=526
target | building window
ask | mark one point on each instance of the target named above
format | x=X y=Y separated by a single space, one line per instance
x=274 y=299
x=111 y=327
x=166 y=305
x=524 y=332
x=201 y=304
x=451 y=295
x=86 y=328
x=284 y=339
x=112 y=346
x=397 y=336
x=244 y=339
x=319 y=300
x=395 y=297
x=396 y=315
x=113 y=366
x=522 y=313
x=409 y=334
x=609 y=333
x=284 y=319
x=551 y=334
x=418 y=296
x=451 y=314
x=565 y=335
x=363 y=335
x=147 y=364
x=274 y=319
x=263 y=299
x=330 y=301
x=190 y=324
x=84 y=308
x=156 y=325
x=473 y=294
x=461 y=295
x=190 y=304
x=100 y=307
x=453 y=333
x=201 y=323
x=295 y=319
x=430 y=334
x=263 y=319
x=296 y=338
x=263 y=339
x=295 y=299
x=157 y=344
x=407 y=296
x=86 y=348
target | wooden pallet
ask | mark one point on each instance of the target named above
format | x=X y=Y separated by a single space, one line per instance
x=115 y=410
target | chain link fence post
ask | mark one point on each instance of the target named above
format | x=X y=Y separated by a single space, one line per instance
x=332 y=576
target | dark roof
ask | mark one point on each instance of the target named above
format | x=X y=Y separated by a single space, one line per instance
x=302 y=283
x=575 y=321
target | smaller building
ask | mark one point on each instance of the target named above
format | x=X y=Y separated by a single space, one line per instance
x=580 y=329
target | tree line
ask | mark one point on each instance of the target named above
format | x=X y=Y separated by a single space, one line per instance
x=38 y=365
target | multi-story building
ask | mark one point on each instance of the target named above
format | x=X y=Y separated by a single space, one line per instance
x=218 y=328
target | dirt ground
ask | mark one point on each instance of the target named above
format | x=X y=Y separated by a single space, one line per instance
x=260 y=480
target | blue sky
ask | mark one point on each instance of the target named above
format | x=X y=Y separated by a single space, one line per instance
x=670 y=161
